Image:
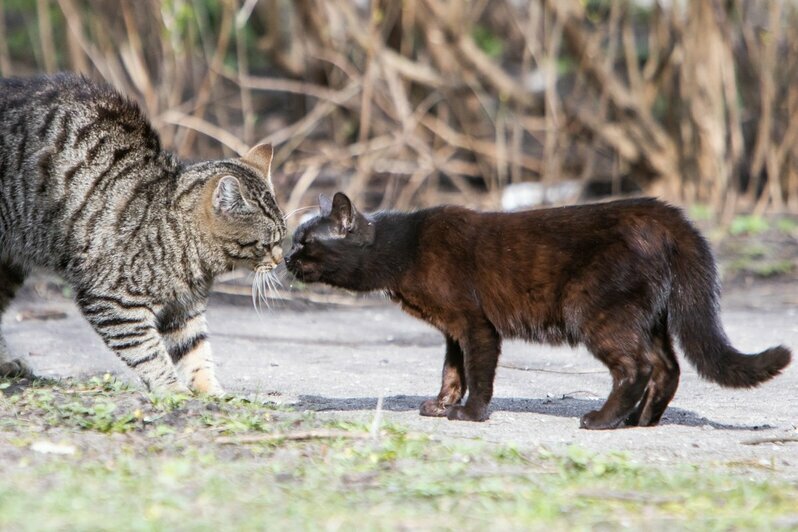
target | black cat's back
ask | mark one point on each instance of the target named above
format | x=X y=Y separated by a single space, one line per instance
x=539 y=274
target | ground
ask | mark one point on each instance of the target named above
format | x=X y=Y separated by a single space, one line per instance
x=309 y=378
x=321 y=428
x=339 y=361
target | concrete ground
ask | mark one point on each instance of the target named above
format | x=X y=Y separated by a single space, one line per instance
x=338 y=360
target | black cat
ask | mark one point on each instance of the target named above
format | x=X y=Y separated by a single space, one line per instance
x=620 y=278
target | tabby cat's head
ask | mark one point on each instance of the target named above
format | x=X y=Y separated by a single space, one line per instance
x=328 y=248
x=241 y=214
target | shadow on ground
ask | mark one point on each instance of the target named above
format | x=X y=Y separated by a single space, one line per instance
x=565 y=407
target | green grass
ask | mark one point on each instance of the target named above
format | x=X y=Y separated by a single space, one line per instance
x=701 y=212
x=748 y=225
x=163 y=464
x=761 y=266
x=788 y=226
x=491 y=44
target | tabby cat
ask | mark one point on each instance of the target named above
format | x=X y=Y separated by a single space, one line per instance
x=621 y=278
x=87 y=191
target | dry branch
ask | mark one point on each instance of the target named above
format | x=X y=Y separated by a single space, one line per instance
x=635 y=127
x=303 y=435
x=425 y=100
x=195 y=123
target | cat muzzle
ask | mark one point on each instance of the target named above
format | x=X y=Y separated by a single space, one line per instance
x=277 y=254
x=294 y=266
x=270 y=262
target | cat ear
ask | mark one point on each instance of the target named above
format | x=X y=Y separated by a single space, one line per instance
x=325 y=204
x=228 y=198
x=343 y=211
x=261 y=158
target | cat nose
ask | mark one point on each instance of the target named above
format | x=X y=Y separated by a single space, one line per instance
x=277 y=253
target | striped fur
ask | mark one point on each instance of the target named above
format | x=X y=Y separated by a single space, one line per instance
x=87 y=191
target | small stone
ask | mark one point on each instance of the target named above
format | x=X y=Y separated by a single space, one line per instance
x=47 y=447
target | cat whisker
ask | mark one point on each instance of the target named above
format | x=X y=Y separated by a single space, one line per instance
x=255 y=291
x=264 y=292
x=275 y=288
x=263 y=287
x=284 y=274
x=275 y=275
x=299 y=209
x=267 y=293
x=280 y=271
x=275 y=282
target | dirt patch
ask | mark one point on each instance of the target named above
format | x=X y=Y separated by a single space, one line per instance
x=82 y=454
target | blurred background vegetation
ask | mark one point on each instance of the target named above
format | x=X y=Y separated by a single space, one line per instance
x=483 y=102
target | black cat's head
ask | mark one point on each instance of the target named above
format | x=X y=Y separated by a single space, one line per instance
x=330 y=248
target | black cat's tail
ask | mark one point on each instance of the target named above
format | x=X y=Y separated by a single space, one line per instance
x=695 y=319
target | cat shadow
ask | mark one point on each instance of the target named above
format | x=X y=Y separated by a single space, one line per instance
x=560 y=407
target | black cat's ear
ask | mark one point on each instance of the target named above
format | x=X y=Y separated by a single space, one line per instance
x=261 y=158
x=343 y=212
x=325 y=204
x=228 y=197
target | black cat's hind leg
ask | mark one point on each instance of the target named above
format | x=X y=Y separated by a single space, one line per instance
x=453 y=382
x=663 y=382
x=624 y=353
x=481 y=348
x=11 y=279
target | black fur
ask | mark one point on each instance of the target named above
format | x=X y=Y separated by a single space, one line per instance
x=621 y=278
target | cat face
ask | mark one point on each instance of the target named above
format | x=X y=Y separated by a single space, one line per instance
x=245 y=221
x=329 y=248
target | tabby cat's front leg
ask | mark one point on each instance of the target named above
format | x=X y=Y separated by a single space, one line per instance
x=11 y=279
x=186 y=335
x=129 y=329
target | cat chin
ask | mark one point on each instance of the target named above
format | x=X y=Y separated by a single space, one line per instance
x=305 y=277
x=301 y=274
x=313 y=278
x=265 y=268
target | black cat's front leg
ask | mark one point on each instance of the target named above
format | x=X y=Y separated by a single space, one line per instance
x=482 y=346
x=453 y=382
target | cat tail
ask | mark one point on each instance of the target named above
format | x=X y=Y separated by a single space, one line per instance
x=694 y=317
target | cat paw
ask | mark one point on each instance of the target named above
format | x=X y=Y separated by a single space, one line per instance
x=15 y=369
x=463 y=413
x=636 y=420
x=181 y=389
x=205 y=383
x=633 y=420
x=595 y=421
x=215 y=391
x=433 y=408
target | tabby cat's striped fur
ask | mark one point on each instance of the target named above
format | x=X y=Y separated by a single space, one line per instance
x=87 y=191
